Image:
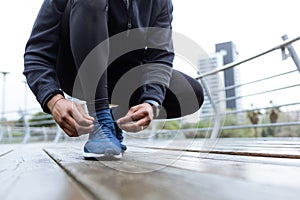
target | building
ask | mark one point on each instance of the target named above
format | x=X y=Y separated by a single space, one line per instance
x=214 y=84
x=224 y=95
x=231 y=76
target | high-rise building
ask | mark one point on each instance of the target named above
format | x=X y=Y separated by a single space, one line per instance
x=231 y=76
x=221 y=86
x=214 y=92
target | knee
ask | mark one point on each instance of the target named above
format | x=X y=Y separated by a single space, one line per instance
x=91 y=6
x=199 y=94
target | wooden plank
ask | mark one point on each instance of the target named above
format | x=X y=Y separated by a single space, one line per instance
x=221 y=147
x=28 y=173
x=5 y=152
x=150 y=178
x=5 y=149
x=280 y=142
x=106 y=180
x=263 y=171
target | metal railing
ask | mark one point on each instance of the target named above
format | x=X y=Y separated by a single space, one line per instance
x=286 y=113
x=218 y=115
x=220 y=120
x=30 y=128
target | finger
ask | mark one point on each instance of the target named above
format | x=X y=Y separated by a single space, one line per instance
x=70 y=119
x=65 y=121
x=136 y=126
x=133 y=109
x=144 y=122
x=69 y=130
x=83 y=112
x=78 y=128
x=139 y=115
x=129 y=116
x=143 y=117
x=124 y=120
x=80 y=119
x=130 y=127
x=81 y=130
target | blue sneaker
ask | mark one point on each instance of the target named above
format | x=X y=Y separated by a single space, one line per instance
x=119 y=133
x=119 y=136
x=102 y=142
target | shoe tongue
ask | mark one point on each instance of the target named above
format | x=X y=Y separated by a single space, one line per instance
x=104 y=118
x=102 y=131
x=104 y=115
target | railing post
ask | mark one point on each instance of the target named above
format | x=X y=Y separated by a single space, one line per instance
x=9 y=133
x=217 y=120
x=26 y=129
x=1 y=132
x=292 y=53
x=58 y=133
x=44 y=130
x=153 y=130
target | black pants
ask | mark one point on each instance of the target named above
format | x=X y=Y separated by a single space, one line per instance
x=83 y=28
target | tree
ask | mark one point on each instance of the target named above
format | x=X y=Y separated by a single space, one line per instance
x=41 y=119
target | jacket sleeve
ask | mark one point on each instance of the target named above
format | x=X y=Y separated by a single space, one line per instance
x=159 y=54
x=41 y=52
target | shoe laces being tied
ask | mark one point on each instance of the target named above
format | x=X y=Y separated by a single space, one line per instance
x=103 y=130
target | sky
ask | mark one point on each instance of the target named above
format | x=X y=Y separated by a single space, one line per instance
x=253 y=26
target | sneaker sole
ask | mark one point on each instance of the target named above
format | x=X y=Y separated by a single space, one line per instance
x=105 y=155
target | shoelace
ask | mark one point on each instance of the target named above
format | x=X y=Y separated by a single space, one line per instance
x=103 y=126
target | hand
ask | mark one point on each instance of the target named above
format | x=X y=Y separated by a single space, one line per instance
x=137 y=119
x=70 y=116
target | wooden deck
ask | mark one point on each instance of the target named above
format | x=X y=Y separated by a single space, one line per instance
x=233 y=169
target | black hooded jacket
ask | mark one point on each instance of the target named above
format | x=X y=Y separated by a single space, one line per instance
x=42 y=53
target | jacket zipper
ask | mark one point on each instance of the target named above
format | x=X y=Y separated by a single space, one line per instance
x=129 y=22
x=106 y=7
